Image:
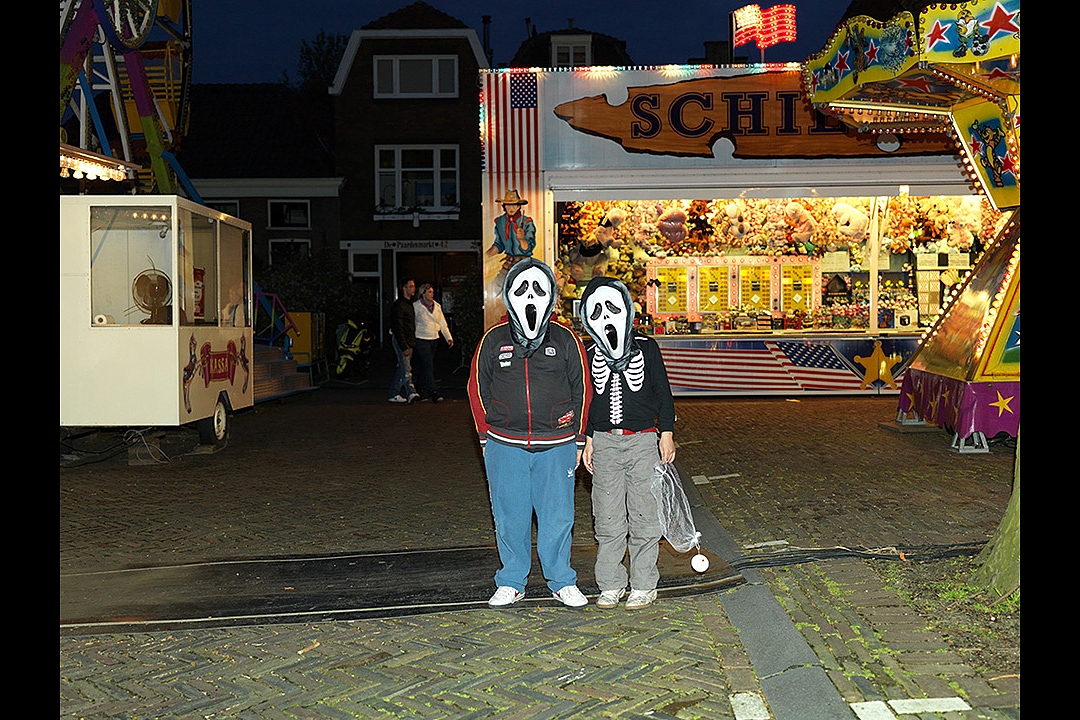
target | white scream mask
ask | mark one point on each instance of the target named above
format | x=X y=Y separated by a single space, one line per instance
x=607 y=314
x=529 y=296
x=607 y=319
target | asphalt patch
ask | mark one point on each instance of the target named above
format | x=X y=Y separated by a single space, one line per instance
x=339 y=587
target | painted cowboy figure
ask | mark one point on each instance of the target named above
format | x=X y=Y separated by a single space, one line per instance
x=515 y=233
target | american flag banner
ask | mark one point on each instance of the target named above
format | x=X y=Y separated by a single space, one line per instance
x=770 y=366
x=511 y=126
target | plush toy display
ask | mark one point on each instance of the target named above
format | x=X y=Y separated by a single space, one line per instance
x=736 y=227
x=850 y=221
x=590 y=259
x=672 y=225
x=802 y=223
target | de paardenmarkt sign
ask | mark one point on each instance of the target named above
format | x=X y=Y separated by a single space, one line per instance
x=764 y=115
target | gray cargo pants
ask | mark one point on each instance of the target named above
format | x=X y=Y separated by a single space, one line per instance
x=625 y=512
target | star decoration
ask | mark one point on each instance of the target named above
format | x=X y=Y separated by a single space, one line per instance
x=1007 y=163
x=918 y=83
x=871 y=52
x=937 y=35
x=1001 y=22
x=1002 y=404
x=842 y=63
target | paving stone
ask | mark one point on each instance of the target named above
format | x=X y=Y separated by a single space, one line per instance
x=310 y=477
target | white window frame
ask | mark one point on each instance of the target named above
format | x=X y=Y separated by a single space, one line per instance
x=283 y=201
x=395 y=208
x=393 y=63
x=570 y=43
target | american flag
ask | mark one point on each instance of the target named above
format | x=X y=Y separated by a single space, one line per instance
x=512 y=134
x=760 y=366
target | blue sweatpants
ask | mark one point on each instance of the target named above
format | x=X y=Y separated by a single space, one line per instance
x=522 y=483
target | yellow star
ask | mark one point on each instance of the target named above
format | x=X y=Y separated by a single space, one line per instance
x=1002 y=404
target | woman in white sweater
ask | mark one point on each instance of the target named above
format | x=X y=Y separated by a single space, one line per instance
x=430 y=323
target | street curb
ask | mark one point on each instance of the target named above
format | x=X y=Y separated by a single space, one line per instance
x=795 y=684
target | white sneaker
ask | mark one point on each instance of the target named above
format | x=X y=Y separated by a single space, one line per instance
x=505 y=595
x=398 y=399
x=570 y=596
x=610 y=598
x=640 y=599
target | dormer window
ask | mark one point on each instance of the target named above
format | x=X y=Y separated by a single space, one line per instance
x=416 y=76
x=571 y=50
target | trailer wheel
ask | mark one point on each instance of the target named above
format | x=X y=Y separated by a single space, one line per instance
x=214 y=430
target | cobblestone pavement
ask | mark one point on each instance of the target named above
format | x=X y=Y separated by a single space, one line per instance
x=340 y=469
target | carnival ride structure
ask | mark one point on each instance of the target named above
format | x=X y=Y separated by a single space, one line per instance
x=953 y=68
x=134 y=56
x=155 y=288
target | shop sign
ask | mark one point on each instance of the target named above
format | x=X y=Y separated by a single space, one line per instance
x=219 y=365
x=763 y=115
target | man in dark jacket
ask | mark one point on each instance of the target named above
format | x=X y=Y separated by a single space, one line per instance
x=529 y=393
x=403 y=338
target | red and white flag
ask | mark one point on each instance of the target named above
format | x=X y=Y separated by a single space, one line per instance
x=512 y=134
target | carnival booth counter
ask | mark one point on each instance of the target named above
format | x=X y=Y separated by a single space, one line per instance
x=769 y=252
x=155 y=313
x=742 y=299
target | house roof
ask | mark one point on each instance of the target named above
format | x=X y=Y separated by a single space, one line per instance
x=417 y=15
x=262 y=130
x=536 y=50
x=418 y=21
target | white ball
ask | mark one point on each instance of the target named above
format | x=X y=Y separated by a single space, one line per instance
x=700 y=563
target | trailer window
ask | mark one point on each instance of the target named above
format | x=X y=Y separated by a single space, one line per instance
x=130 y=266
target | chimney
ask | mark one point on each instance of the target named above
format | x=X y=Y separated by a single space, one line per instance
x=486 y=20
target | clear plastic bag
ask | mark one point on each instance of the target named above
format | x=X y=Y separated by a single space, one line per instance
x=675 y=515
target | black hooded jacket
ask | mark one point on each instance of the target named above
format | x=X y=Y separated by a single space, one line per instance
x=529 y=394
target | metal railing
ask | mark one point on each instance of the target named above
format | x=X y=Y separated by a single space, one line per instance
x=272 y=320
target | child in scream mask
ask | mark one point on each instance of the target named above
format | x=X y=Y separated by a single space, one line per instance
x=529 y=396
x=630 y=430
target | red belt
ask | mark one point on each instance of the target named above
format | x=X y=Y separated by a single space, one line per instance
x=620 y=431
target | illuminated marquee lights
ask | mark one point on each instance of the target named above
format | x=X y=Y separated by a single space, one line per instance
x=766 y=27
x=78 y=163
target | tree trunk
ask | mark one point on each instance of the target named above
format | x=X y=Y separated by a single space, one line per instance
x=999 y=568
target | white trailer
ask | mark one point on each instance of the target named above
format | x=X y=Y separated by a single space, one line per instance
x=155 y=314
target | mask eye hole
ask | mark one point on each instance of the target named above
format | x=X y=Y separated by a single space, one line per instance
x=595 y=311
x=522 y=288
x=538 y=289
x=612 y=308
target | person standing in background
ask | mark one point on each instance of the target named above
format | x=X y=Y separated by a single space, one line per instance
x=430 y=323
x=403 y=338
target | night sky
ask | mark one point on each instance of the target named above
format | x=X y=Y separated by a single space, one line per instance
x=247 y=41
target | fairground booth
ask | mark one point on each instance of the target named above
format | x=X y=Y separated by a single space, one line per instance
x=772 y=248
x=957 y=68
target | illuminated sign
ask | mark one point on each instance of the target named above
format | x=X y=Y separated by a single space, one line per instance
x=766 y=27
x=763 y=115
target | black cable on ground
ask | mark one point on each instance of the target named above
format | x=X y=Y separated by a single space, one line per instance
x=77 y=455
